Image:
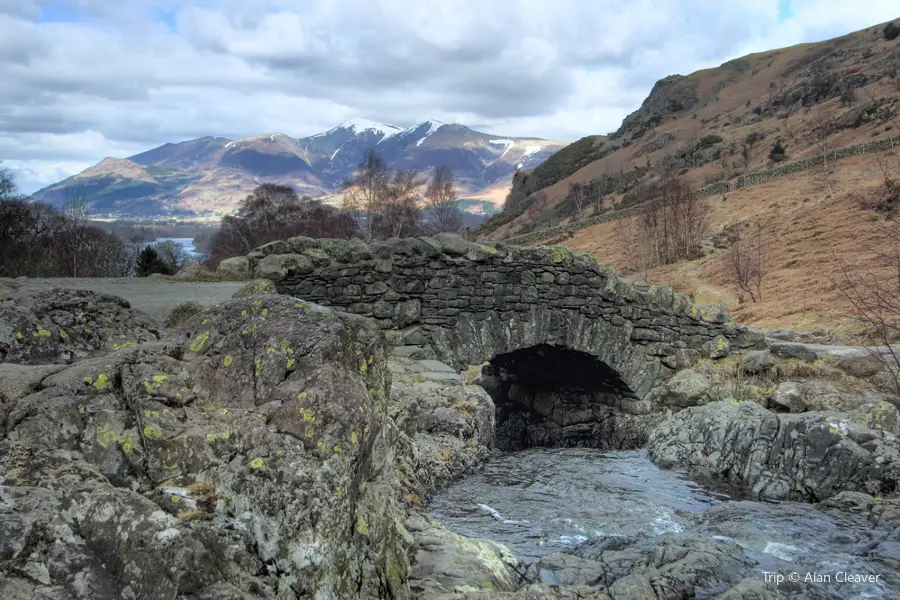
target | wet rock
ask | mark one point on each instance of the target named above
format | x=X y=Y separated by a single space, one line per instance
x=809 y=456
x=58 y=326
x=460 y=563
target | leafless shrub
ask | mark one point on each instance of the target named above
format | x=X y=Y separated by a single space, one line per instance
x=746 y=261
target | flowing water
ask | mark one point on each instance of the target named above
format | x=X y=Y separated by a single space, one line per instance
x=541 y=501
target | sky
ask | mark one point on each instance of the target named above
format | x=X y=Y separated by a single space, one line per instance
x=81 y=80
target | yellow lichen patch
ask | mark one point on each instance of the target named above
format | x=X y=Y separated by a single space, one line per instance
x=243 y=313
x=176 y=499
x=159 y=379
x=354 y=439
x=362 y=528
x=62 y=334
x=286 y=348
x=228 y=361
x=19 y=335
x=265 y=312
x=257 y=463
x=199 y=342
x=270 y=350
x=290 y=363
x=152 y=432
x=337 y=449
x=203 y=322
x=41 y=332
x=151 y=414
x=102 y=382
x=211 y=437
x=309 y=431
x=258 y=368
x=307 y=413
x=87 y=330
x=444 y=453
x=302 y=395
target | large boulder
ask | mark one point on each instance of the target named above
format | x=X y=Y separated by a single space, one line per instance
x=808 y=456
x=687 y=388
x=236 y=268
x=250 y=459
x=58 y=326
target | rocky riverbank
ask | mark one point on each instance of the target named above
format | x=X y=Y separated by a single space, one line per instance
x=273 y=448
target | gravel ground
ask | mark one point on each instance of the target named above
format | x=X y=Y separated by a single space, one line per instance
x=155 y=297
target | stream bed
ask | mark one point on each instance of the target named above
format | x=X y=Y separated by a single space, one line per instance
x=545 y=500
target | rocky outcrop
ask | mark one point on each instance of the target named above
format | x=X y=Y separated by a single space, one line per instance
x=808 y=456
x=59 y=326
x=252 y=458
x=446 y=427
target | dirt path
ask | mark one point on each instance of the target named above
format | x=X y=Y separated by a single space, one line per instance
x=154 y=297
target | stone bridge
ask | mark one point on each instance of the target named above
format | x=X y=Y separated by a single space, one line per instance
x=555 y=326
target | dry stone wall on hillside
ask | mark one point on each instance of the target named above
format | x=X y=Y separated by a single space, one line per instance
x=714 y=189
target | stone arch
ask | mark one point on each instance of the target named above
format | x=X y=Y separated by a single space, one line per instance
x=474 y=341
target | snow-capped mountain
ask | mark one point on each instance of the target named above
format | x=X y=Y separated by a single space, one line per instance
x=213 y=174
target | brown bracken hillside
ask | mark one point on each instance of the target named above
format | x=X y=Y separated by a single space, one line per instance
x=718 y=125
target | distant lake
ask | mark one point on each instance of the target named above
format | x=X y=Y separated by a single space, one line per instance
x=186 y=243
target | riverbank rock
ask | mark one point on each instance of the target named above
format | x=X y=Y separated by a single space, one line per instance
x=59 y=326
x=446 y=427
x=443 y=561
x=250 y=459
x=806 y=457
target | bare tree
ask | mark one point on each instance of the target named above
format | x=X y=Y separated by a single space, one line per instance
x=440 y=197
x=746 y=261
x=579 y=192
x=366 y=190
x=7 y=184
x=823 y=129
x=398 y=213
x=74 y=241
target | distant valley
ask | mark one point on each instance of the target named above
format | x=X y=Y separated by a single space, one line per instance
x=210 y=175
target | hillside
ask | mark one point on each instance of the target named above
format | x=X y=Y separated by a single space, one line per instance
x=718 y=124
x=210 y=175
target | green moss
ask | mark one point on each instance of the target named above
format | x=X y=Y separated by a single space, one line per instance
x=152 y=432
x=199 y=342
x=561 y=254
x=228 y=361
x=362 y=528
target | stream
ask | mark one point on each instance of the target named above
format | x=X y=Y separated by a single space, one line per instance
x=541 y=501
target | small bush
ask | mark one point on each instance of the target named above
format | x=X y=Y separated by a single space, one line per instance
x=182 y=313
x=710 y=140
x=777 y=153
x=891 y=31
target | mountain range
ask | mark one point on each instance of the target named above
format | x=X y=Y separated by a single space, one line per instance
x=209 y=176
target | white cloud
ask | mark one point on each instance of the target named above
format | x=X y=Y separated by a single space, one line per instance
x=114 y=78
